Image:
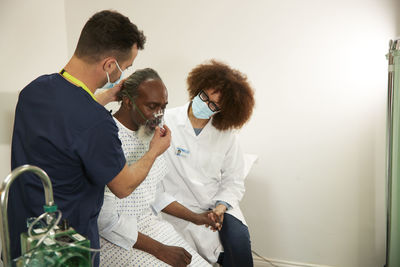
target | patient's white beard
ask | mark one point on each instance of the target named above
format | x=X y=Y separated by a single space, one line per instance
x=145 y=134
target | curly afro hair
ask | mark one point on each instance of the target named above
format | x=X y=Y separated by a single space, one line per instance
x=237 y=96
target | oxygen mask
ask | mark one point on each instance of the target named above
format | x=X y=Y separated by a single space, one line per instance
x=157 y=120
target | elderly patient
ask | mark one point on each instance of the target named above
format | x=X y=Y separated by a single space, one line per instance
x=131 y=232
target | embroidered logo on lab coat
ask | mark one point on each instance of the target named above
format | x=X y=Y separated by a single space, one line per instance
x=181 y=152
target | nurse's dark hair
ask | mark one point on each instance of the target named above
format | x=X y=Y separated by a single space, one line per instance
x=130 y=86
x=108 y=33
x=237 y=96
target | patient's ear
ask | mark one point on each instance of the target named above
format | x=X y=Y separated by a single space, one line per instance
x=126 y=103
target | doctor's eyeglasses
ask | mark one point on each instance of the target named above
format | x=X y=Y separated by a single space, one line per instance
x=204 y=97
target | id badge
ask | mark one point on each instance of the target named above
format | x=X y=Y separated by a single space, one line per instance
x=181 y=152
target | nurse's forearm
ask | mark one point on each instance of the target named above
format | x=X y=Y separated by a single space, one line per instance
x=132 y=176
x=140 y=169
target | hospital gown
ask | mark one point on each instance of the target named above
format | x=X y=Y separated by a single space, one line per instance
x=120 y=220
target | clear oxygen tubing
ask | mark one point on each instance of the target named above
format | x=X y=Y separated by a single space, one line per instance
x=50 y=230
x=4 y=190
x=159 y=116
x=137 y=109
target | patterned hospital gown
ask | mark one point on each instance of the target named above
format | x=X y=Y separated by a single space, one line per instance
x=138 y=205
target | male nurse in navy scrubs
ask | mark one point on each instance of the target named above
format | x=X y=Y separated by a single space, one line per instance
x=63 y=128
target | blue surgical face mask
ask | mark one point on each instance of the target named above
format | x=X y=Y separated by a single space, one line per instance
x=109 y=84
x=200 y=109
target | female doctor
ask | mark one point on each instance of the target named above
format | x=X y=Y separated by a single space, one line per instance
x=206 y=164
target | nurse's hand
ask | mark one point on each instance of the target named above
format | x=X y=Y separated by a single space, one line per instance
x=109 y=95
x=161 y=140
x=175 y=256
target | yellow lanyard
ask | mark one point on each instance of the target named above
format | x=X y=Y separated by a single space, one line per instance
x=77 y=82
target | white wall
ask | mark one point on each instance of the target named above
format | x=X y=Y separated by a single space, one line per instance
x=33 y=42
x=398 y=20
x=316 y=194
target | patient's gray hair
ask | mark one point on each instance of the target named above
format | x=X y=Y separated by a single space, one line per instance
x=132 y=83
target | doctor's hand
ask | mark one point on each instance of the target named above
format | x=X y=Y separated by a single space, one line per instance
x=161 y=140
x=218 y=215
x=175 y=256
x=205 y=219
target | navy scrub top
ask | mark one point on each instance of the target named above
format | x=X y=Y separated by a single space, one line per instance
x=60 y=128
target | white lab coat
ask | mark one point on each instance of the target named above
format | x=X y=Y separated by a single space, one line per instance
x=202 y=170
